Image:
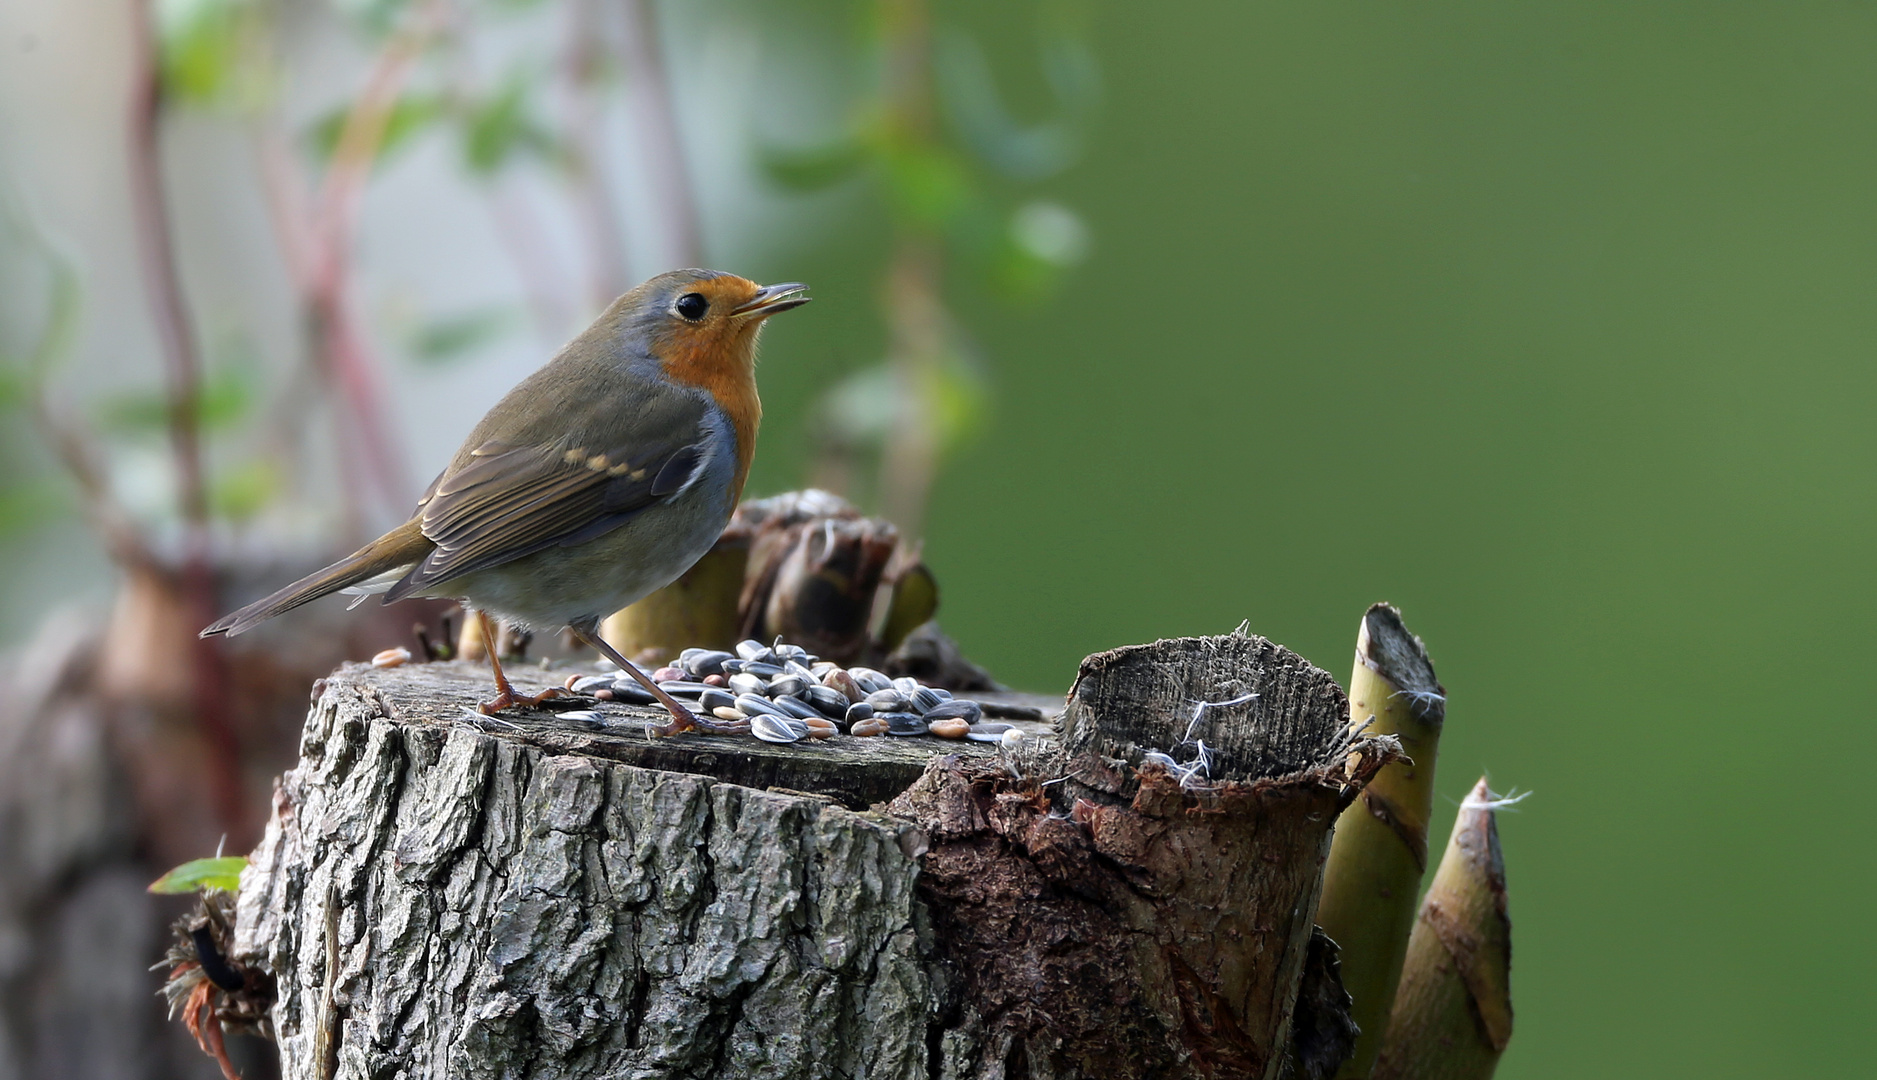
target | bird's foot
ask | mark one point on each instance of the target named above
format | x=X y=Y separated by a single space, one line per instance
x=683 y=719
x=507 y=698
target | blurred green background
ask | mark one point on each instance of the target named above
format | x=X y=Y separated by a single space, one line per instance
x=1551 y=324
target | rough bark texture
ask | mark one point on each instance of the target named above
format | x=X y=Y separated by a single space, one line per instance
x=446 y=896
x=1144 y=922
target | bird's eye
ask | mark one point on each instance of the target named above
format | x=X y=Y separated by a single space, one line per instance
x=692 y=306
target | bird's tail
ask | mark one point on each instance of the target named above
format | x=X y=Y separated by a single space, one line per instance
x=399 y=547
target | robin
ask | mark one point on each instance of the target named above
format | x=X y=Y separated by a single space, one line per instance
x=602 y=477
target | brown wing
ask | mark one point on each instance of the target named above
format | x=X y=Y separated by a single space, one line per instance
x=507 y=501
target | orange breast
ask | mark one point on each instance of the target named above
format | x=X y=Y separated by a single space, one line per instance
x=725 y=369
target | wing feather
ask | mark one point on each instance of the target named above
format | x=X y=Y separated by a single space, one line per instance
x=504 y=502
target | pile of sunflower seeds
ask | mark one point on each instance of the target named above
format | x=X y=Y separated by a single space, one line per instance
x=785 y=694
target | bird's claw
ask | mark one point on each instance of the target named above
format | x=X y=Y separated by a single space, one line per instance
x=683 y=720
x=508 y=698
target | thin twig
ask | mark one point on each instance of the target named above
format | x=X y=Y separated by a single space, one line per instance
x=658 y=131
x=604 y=229
x=183 y=385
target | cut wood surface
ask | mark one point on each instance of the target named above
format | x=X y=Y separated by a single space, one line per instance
x=445 y=895
x=857 y=772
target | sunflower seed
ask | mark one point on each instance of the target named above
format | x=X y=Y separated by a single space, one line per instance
x=827 y=701
x=774 y=729
x=843 y=683
x=746 y=683
x=717 y=699
x=795 y=707
x=629 y=691
x=956 y=709
x=586 y=684
x=903 y=723
x=762 y=668
x=992 y=732
x=708 y=662
x=726 y=712
x=750 y=650
x=907 y=685
x=924 y=700
x=786 y=685
x=820 y=728
x=752 y=704
x=581 y=714
x=885 y=701
x=680 y=688
x=857 y=712
x=869 y=679
x=796 y=667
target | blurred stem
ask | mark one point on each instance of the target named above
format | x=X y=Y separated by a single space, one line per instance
x=1453 y=1007
x=605 y=231
x=915 y=307
x=657 y=126
x=337 y=336
x=183 y=382
x=916 y=316
x=316 y=232
x=1379 y=852
x=176 y=335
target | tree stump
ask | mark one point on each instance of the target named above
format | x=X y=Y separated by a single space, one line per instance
x=444 y=895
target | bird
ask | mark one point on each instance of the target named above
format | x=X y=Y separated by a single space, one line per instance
x=597 y=480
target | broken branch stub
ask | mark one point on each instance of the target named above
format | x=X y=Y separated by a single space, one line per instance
x=1106 y=909
x=1453 y=1009
x=1380 y=852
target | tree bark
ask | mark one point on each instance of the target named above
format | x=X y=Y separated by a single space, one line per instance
x=440 y=894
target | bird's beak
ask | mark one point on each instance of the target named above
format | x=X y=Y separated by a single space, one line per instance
x=773 y=298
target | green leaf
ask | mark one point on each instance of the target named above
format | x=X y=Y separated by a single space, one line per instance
x=928 y=184
x=28 y=504
x=498 y=129
x=451 y=337
x=203 y=875
x=1044 y=239
x=239 y=493
x=410 y=115
x=968 y=91
x=205 y=48
x=377 y=17
x=14 y=385
x=224 y=399
x=811 y=168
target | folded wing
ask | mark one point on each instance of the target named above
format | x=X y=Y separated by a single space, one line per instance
x=504 y=502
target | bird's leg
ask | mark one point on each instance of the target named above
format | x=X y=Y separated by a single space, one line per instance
x=682 y=719
x=505 y=694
